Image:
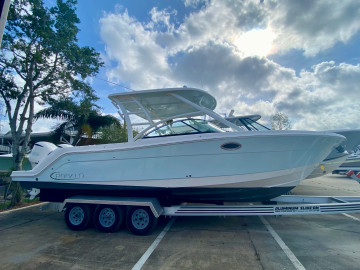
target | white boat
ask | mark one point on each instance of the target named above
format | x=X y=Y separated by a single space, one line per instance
x=352 y=163
x=338 y=155
x=180 y=157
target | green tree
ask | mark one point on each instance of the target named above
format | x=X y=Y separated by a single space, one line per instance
x=1 y=115
x=40 y=60
x=81 y=116
x=280 y=121
x=113 y=134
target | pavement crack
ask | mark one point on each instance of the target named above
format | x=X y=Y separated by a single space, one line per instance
x=257 y=255
x=22 y=223
x=340 y=230
x=16 y=225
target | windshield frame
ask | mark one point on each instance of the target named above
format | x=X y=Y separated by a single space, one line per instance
x=193 y=129
x=252 y=125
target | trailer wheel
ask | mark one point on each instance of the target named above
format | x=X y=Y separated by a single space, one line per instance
x=77 y=216
x=140 y=220
x=108 y=218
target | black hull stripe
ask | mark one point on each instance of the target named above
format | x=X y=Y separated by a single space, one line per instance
x=59 y=192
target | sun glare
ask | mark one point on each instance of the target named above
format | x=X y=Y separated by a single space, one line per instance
x=256 y=42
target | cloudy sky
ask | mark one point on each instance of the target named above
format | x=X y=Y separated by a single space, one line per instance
x=301 y=58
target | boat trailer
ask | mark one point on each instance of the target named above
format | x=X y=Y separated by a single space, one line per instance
x=141 y=214
x=279 y=206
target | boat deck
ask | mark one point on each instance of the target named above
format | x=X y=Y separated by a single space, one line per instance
x=34 y=239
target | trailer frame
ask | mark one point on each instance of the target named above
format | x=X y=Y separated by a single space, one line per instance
x=280 y=206
x=138 y=211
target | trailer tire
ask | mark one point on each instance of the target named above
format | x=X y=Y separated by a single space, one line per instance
x=140 y=220
x=77 y=216
x=108 y=218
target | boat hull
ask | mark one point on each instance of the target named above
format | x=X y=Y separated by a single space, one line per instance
x=255 y=187
x=170 y=196
x=185 y=168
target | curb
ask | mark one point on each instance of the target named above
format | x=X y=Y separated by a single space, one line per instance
x=21 y=208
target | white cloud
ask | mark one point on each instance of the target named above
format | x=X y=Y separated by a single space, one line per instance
x=40 y=125
x=160 y=20
x=208 y=51
x=139 y=59
x=313 y=26
x=326 y=100
x=194 y=3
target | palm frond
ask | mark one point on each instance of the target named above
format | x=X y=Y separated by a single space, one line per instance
x=60 y=130
x=54 y=113
x=97 y=121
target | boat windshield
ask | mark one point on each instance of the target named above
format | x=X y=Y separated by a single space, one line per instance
x=183 y=127
x=252 y=125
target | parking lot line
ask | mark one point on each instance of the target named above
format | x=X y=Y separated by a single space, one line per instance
x=153 y=246
x=352 y=217
x=297 y=264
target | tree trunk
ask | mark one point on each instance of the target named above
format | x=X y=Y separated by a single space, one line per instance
x=77 y=137
x=18 y=151
x=17 y=166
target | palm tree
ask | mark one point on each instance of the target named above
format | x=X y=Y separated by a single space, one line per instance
x=82 y=117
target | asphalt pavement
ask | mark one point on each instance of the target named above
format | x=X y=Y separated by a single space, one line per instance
x=39 y=239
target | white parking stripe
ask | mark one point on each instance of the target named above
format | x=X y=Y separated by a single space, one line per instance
x=352 y=217
x=297 y=264
x=153 y=246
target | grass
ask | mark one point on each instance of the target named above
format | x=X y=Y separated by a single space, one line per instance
x=4 y=206
x=4 y=177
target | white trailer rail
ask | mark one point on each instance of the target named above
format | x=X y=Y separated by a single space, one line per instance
x=290 y=205
x=141 y=214
x=282 y=205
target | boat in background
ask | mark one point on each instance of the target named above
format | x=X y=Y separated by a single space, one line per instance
x=42 y=149
x=180 y=157
x=6 y=163
x=352 y=163
x=340 y=154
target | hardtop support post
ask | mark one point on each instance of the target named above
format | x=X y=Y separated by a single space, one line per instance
x=208 y=112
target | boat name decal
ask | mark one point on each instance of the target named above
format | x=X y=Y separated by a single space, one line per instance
x=297 y=209
x=66 y=176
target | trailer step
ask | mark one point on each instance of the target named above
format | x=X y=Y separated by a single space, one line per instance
x=329 y=205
